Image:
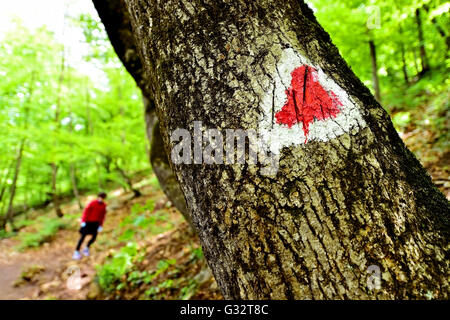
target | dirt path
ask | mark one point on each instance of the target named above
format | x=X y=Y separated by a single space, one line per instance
x=56 y=275
x=52 y=259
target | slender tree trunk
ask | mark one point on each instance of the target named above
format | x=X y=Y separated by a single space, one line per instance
x=55 y=196
x=404 y=68
x=12 y=193
x=375 y=81
x=348 y=198
x=163 y=171
x=403 y=55
x=423 y=53
x=27 y=195
x=4 y=182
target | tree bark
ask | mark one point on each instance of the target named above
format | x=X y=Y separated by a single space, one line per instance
x=163 y=171
x=375 y=81
x=336 y=207
x=116 y=20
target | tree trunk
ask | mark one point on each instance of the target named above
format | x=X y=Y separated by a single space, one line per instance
x=348 y=198
x=423 y=53
x=403 y=54
x=375 y=81
x=55 y=196
x=404 y=68
x=53 y=165
x=12 y=193
x=163 y=171
x=4 y=182
x=27 y=195
x=117 y=23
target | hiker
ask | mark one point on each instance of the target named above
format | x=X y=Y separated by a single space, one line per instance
x=91 y=223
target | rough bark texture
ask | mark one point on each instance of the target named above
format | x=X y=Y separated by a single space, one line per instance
x=115 y=18
x=335 y=207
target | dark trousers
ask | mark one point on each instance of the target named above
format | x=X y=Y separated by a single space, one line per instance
x=89 y=228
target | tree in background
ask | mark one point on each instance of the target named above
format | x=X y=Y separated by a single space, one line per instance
x=397 y=35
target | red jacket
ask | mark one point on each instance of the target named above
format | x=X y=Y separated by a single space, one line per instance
x=94 y=212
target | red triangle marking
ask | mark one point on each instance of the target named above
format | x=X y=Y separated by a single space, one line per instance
x=307 y=103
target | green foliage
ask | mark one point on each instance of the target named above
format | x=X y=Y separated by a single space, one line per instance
x=89 y=121
x=137 y=277
x=415 y=100
x=115 y=274
x=45 y=229
x=110 y=273
x=197 y=253
x=23 y=223
x=143 y=221
x=392 y=26
x=401 y=119
x=6 y=234
x=189 y=290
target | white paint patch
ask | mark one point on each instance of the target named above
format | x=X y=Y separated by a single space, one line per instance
x=277 y=136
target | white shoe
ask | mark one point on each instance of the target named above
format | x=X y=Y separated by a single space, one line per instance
x=76 y=255
x=86 y=252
